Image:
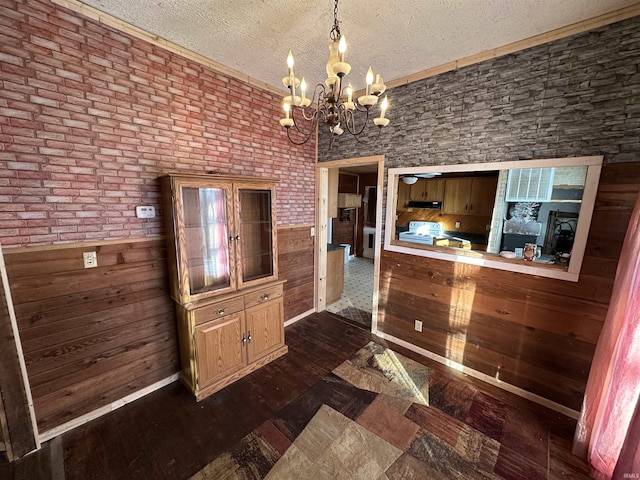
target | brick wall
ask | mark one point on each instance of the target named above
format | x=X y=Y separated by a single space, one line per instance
x=570 y=97
x=89 y=116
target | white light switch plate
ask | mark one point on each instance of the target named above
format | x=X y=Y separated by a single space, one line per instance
x=145 y=212
x=418 y=326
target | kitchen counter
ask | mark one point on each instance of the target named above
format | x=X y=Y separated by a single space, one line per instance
x=331 y=247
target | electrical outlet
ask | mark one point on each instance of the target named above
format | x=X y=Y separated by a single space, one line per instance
x=457 y=224
x=418 y=326
x=313 y=231
x=90 y=259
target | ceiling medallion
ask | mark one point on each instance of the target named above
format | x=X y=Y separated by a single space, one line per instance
x=335 y=106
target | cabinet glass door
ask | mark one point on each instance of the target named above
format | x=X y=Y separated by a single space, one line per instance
x=206 y=234
x=256 y=234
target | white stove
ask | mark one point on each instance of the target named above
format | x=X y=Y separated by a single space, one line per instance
x=422 y=232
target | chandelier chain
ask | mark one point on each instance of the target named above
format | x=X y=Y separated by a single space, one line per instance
x=334 y=34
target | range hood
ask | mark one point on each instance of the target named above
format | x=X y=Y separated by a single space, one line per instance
x=418 y=204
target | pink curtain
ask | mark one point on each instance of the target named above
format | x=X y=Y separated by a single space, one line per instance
x=608 y=433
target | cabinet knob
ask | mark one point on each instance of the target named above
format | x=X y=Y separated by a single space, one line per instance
x=244 y=340
x=264 y=296
x=221 y=311
x=249 y=336
x=237 y=238
x=231 y=239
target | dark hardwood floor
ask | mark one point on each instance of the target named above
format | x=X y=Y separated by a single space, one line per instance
x=168 y=435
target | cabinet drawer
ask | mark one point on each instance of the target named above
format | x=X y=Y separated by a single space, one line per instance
x=261 y=296
x=217 y=310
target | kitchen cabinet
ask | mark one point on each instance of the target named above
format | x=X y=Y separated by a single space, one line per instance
x=469 y=195
x=404 y=194
x=221 y=249
x=424 y=190
x=349 y=200
x=427 y=190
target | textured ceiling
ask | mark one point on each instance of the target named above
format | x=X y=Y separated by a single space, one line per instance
x=397 y=38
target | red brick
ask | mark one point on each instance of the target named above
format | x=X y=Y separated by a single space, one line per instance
x=43 y=42
x=151 y=110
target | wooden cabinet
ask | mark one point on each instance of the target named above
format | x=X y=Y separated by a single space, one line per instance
x=424 y=190
x=265 y=332
x=427 y=190
x=224 y=337
x=469 y=195
x=221 y=236
x=349 y=200
x=483 y=195
x=223 y=341
x=404 y=194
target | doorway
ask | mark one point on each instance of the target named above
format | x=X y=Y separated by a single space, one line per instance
x=349 y=238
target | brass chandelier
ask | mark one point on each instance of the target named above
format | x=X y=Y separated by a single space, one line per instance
x=334 y=106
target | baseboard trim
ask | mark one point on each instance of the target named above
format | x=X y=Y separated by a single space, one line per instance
x=87 y=417
x=483 y=376
x=293 y=320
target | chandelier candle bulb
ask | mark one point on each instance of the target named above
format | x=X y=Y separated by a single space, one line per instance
x=342 y=48
x=383 y=107
x=349 y=105
x=378 y=86
x=369 y=80
x=292 y=77
x=286 y=122
x=290 y=63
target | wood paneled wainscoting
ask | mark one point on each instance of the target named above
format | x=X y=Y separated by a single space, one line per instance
x=534 y=333
x=92 y=336
x=295 y=263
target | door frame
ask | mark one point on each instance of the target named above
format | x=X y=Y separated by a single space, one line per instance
x=322 y=197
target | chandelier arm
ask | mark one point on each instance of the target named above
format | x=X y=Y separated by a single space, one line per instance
x=352 y=129
x=304 y=133
x=304 y=114
x=369 y=140
x=319 y=90
x=305 y=138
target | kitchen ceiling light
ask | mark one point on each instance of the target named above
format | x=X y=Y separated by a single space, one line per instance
x=409 y=180
x=335 y=105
